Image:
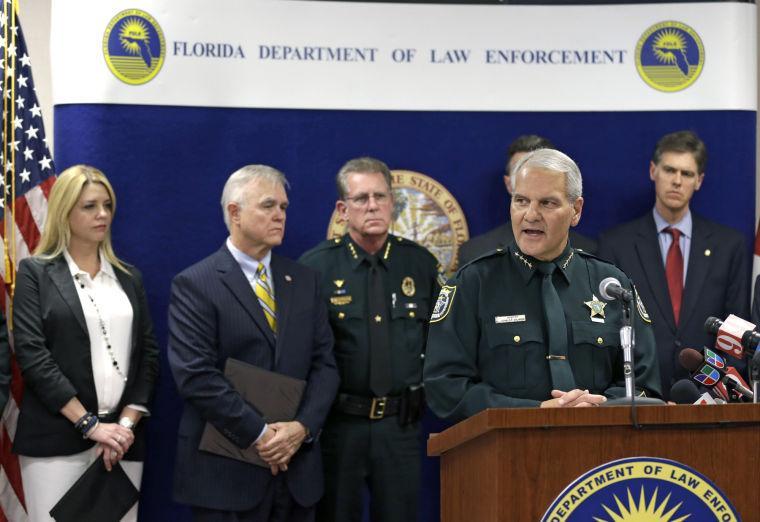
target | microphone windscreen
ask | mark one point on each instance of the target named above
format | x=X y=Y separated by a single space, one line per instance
x=690 y=359
x=712 y=325
x=684 y=392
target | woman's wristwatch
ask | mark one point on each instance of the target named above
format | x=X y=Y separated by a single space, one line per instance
x=127 y=423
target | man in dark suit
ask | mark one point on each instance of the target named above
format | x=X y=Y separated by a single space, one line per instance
x=686 y=268
x=502 y=235
x=246 y=303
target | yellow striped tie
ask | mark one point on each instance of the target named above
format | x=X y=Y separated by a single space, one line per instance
x=266 y=299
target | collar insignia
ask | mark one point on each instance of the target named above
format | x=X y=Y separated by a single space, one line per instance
x=524 y=260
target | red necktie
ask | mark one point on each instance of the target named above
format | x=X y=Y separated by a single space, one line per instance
x=674 y=271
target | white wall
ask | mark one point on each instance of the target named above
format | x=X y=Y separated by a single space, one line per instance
x=35 y=21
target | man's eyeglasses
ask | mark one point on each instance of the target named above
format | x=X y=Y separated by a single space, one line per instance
x=362 y=200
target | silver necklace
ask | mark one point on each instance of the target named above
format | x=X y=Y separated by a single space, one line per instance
x=103 y=330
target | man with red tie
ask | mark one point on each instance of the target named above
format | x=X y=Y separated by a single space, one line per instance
x=685 y=267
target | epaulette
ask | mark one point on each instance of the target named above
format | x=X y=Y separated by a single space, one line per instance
x=583 y=253
x=398 y=240
x=491 y=253
x=322 y=246
x=330 y=243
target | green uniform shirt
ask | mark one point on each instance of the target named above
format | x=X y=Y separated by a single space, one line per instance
x=411 y=287
x=487 y=341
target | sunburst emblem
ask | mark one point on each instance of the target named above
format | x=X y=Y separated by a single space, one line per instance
x=135 y=39
x=666 y=42
x=669 y=46
x=642 y=512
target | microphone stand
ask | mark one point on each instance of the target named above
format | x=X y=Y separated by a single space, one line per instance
x=754 y=375
x=627 y=342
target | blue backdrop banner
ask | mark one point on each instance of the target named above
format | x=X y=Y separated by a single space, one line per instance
x=168 y=122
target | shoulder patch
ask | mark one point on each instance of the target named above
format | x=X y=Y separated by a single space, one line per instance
x=443 y=304
x=640 y=306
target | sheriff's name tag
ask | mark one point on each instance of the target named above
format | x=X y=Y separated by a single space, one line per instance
x=501 y=319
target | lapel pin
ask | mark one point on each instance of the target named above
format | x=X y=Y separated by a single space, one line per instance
x=288 y=278
x=708 y=252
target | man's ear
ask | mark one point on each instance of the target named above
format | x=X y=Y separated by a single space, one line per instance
x=578 y=210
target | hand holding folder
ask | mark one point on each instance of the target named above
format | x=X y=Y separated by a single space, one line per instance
x=276 y=397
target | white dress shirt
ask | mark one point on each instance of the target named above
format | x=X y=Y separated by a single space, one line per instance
x=116 y=312
x=249 y=265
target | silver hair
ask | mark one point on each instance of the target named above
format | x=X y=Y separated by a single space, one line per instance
x=364 y=165
x=234 y=188
x=555 y=161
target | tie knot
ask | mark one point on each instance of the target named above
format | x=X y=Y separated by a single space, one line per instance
x=674 y=232
x=261 y=272
x=373 y=261
x=546 y=268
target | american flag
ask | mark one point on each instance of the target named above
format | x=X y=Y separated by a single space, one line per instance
x=28 y=176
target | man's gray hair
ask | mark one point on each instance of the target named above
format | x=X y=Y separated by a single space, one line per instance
x=234 y=188
x=555 y=161
x=364 y=165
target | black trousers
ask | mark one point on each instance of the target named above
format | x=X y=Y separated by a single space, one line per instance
x=380 y=455
x=277 y=506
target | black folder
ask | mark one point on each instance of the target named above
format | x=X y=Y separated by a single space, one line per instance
x=274 y=396
x=98 y=494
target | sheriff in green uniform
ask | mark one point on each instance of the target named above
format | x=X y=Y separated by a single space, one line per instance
x=379 y=289
x=525 y=326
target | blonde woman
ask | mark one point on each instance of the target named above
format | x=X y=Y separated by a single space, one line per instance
x=84 y=341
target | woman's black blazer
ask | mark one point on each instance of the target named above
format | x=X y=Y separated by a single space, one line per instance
x=53 y=350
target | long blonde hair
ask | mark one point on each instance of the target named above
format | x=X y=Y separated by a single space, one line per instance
x=63 y=196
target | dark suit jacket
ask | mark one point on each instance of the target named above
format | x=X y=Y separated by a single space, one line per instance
x=213 y=315
x=53 y=351
x=717 y=284
x=502 y=235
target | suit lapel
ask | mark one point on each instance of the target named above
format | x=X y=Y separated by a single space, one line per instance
x=283 y=295
x=698 y=268
x=127 y=283
x=59 y=273
x=648 y=249
x=233 y=278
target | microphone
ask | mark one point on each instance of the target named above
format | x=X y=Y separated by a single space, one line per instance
x=610 y=290
x=686 y=392
x=709 y=370
x=735 y=336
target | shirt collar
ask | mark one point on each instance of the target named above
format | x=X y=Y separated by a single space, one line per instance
x=106 y=268
x=358 y=254
x=528 y=265
x=248 y=264
x=684 y=226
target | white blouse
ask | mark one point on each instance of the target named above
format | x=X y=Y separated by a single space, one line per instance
x=114 y=308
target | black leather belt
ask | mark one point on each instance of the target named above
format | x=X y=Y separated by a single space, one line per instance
x=370 y=407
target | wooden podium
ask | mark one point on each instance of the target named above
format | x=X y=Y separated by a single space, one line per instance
x=511 y=464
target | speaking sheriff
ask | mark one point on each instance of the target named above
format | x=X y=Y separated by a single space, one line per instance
x=524 y=325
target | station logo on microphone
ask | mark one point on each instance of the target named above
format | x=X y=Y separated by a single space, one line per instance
x=134 y=47
x=638 y=489
x=669 y=56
